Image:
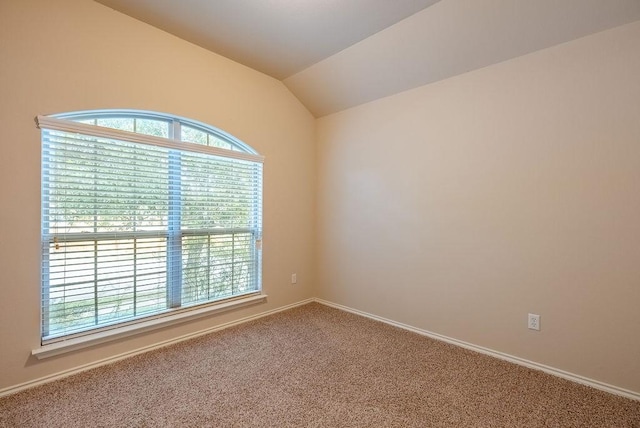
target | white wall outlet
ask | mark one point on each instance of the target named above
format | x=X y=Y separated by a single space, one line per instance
x=294 y=278
x=534 y=322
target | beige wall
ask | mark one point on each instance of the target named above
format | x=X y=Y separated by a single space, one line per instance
x=461 y=206
x=77 y=54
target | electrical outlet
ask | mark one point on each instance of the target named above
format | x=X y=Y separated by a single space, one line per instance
x=294 y=278
x=534 y=322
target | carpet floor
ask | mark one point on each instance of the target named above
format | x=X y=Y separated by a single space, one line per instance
x=314 y=366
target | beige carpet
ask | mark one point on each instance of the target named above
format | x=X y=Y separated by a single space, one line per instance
x=314 y=366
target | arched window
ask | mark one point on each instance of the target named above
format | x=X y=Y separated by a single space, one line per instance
x=143 y=215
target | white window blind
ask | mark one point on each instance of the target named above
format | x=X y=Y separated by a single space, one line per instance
x=137 y=225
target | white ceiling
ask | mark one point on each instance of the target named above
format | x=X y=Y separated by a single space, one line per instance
x=336 y=54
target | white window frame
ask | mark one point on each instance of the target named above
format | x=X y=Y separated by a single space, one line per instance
x=68 y=122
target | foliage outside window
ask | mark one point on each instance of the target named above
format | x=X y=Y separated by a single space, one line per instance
x=143 y=214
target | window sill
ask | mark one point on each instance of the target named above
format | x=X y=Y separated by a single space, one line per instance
x=74 y=344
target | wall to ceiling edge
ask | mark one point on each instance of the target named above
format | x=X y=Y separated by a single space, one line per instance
x=73 y=55
x=461 y=206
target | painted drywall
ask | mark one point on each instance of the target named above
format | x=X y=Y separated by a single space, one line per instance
x=73 y=55
x=461 y=206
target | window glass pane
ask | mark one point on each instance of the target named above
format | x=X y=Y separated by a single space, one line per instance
x=158 y=128
x=193 y=135
x=124 y=124
x=216 y=142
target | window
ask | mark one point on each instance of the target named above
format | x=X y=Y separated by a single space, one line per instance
x=143 y=215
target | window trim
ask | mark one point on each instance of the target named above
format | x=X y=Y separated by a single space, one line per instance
x=68 y=122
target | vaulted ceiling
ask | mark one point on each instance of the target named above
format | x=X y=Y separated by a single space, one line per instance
x=336 y=54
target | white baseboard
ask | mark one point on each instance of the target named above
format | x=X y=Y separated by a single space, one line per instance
x=516 y=360
x=501 y=355
x=50 y=378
